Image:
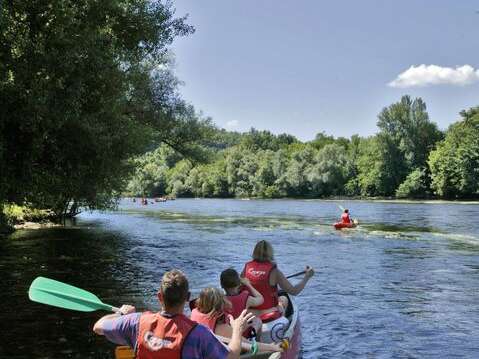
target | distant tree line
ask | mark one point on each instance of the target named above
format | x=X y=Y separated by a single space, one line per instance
x=409 y=157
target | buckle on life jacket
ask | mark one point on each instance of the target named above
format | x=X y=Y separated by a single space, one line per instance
x=269 y=317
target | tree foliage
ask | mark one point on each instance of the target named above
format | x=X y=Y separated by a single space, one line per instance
x=391 y=163
x=414 y=186
x=405 y=139
x=85 y=86
x=454 y=163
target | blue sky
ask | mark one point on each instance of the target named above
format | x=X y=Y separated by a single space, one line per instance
x=308 y=66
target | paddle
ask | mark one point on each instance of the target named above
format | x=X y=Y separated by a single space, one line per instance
x=58 y=294
x=296 y=274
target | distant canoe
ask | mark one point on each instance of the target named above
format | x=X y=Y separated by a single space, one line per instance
x=293 y=334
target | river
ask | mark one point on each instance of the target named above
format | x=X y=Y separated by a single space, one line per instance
x=404 y=284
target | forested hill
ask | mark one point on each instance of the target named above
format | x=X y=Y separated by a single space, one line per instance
x=409 y=157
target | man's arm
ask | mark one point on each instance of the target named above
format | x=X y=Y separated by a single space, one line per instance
x=119 y=329
x=99 y=326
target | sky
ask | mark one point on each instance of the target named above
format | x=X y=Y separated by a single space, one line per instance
x=308 y=66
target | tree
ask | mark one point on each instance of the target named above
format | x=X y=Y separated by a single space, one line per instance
x=407 y=122
x=414 y=186
x=151 y=169
x=265 y=140
x=296 y=174
x=402 y=145
x=80 y=96
x=454 y=163
x=328 y=173
x=177 y=179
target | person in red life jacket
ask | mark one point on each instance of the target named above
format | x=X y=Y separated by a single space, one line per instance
x=265 y=277
x=345 y=218
x=210 y=311
x=169 y=334
x=240 y=299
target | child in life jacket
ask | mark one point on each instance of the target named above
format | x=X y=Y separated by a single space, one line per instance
x=210 y=311
x=240 y=299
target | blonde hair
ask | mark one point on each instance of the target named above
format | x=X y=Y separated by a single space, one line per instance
x=174 y=288
x=211 y=302
x=263 y=252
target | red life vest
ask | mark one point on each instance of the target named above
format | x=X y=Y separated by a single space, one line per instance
x=162 y=336
x=345 y=218
x=205 y=319
x=258 y=274
x=238 y=303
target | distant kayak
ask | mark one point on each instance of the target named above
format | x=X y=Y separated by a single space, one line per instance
x=341 y=225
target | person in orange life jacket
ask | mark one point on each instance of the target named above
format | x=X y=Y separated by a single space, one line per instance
x=210 y=311
x=240 y=299
x=345 y=218
x=169 y=333
x=265 y=276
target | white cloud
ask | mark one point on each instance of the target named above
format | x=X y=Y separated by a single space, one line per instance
x=232 y=124
x=425 y=75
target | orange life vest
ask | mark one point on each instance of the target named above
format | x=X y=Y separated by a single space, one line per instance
x=345 y=218
x=205 y=319
x=258 y=274
x=162 y=336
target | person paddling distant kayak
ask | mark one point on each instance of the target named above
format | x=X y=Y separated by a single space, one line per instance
x=346 y=221
x=345 y=218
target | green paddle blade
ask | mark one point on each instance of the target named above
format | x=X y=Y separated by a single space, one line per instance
x=58 y=294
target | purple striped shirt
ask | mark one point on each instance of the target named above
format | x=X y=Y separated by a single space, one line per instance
x=200 y=343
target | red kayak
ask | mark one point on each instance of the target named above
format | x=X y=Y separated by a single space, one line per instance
x=341 y=225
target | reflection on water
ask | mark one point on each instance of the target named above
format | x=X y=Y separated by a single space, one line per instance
x=403 y=284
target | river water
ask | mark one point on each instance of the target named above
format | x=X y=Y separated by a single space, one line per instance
x=405 y=284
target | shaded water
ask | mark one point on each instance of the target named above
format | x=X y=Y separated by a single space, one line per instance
x=404 y=284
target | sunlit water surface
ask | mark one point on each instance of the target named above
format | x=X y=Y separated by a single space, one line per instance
x=405 y=284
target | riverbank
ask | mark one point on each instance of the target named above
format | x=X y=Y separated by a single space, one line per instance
x=405 y=201
x=23 y=217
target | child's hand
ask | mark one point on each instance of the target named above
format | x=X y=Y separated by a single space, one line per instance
x=240 y=324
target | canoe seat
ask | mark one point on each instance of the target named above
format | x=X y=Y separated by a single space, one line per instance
x=124 y=352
